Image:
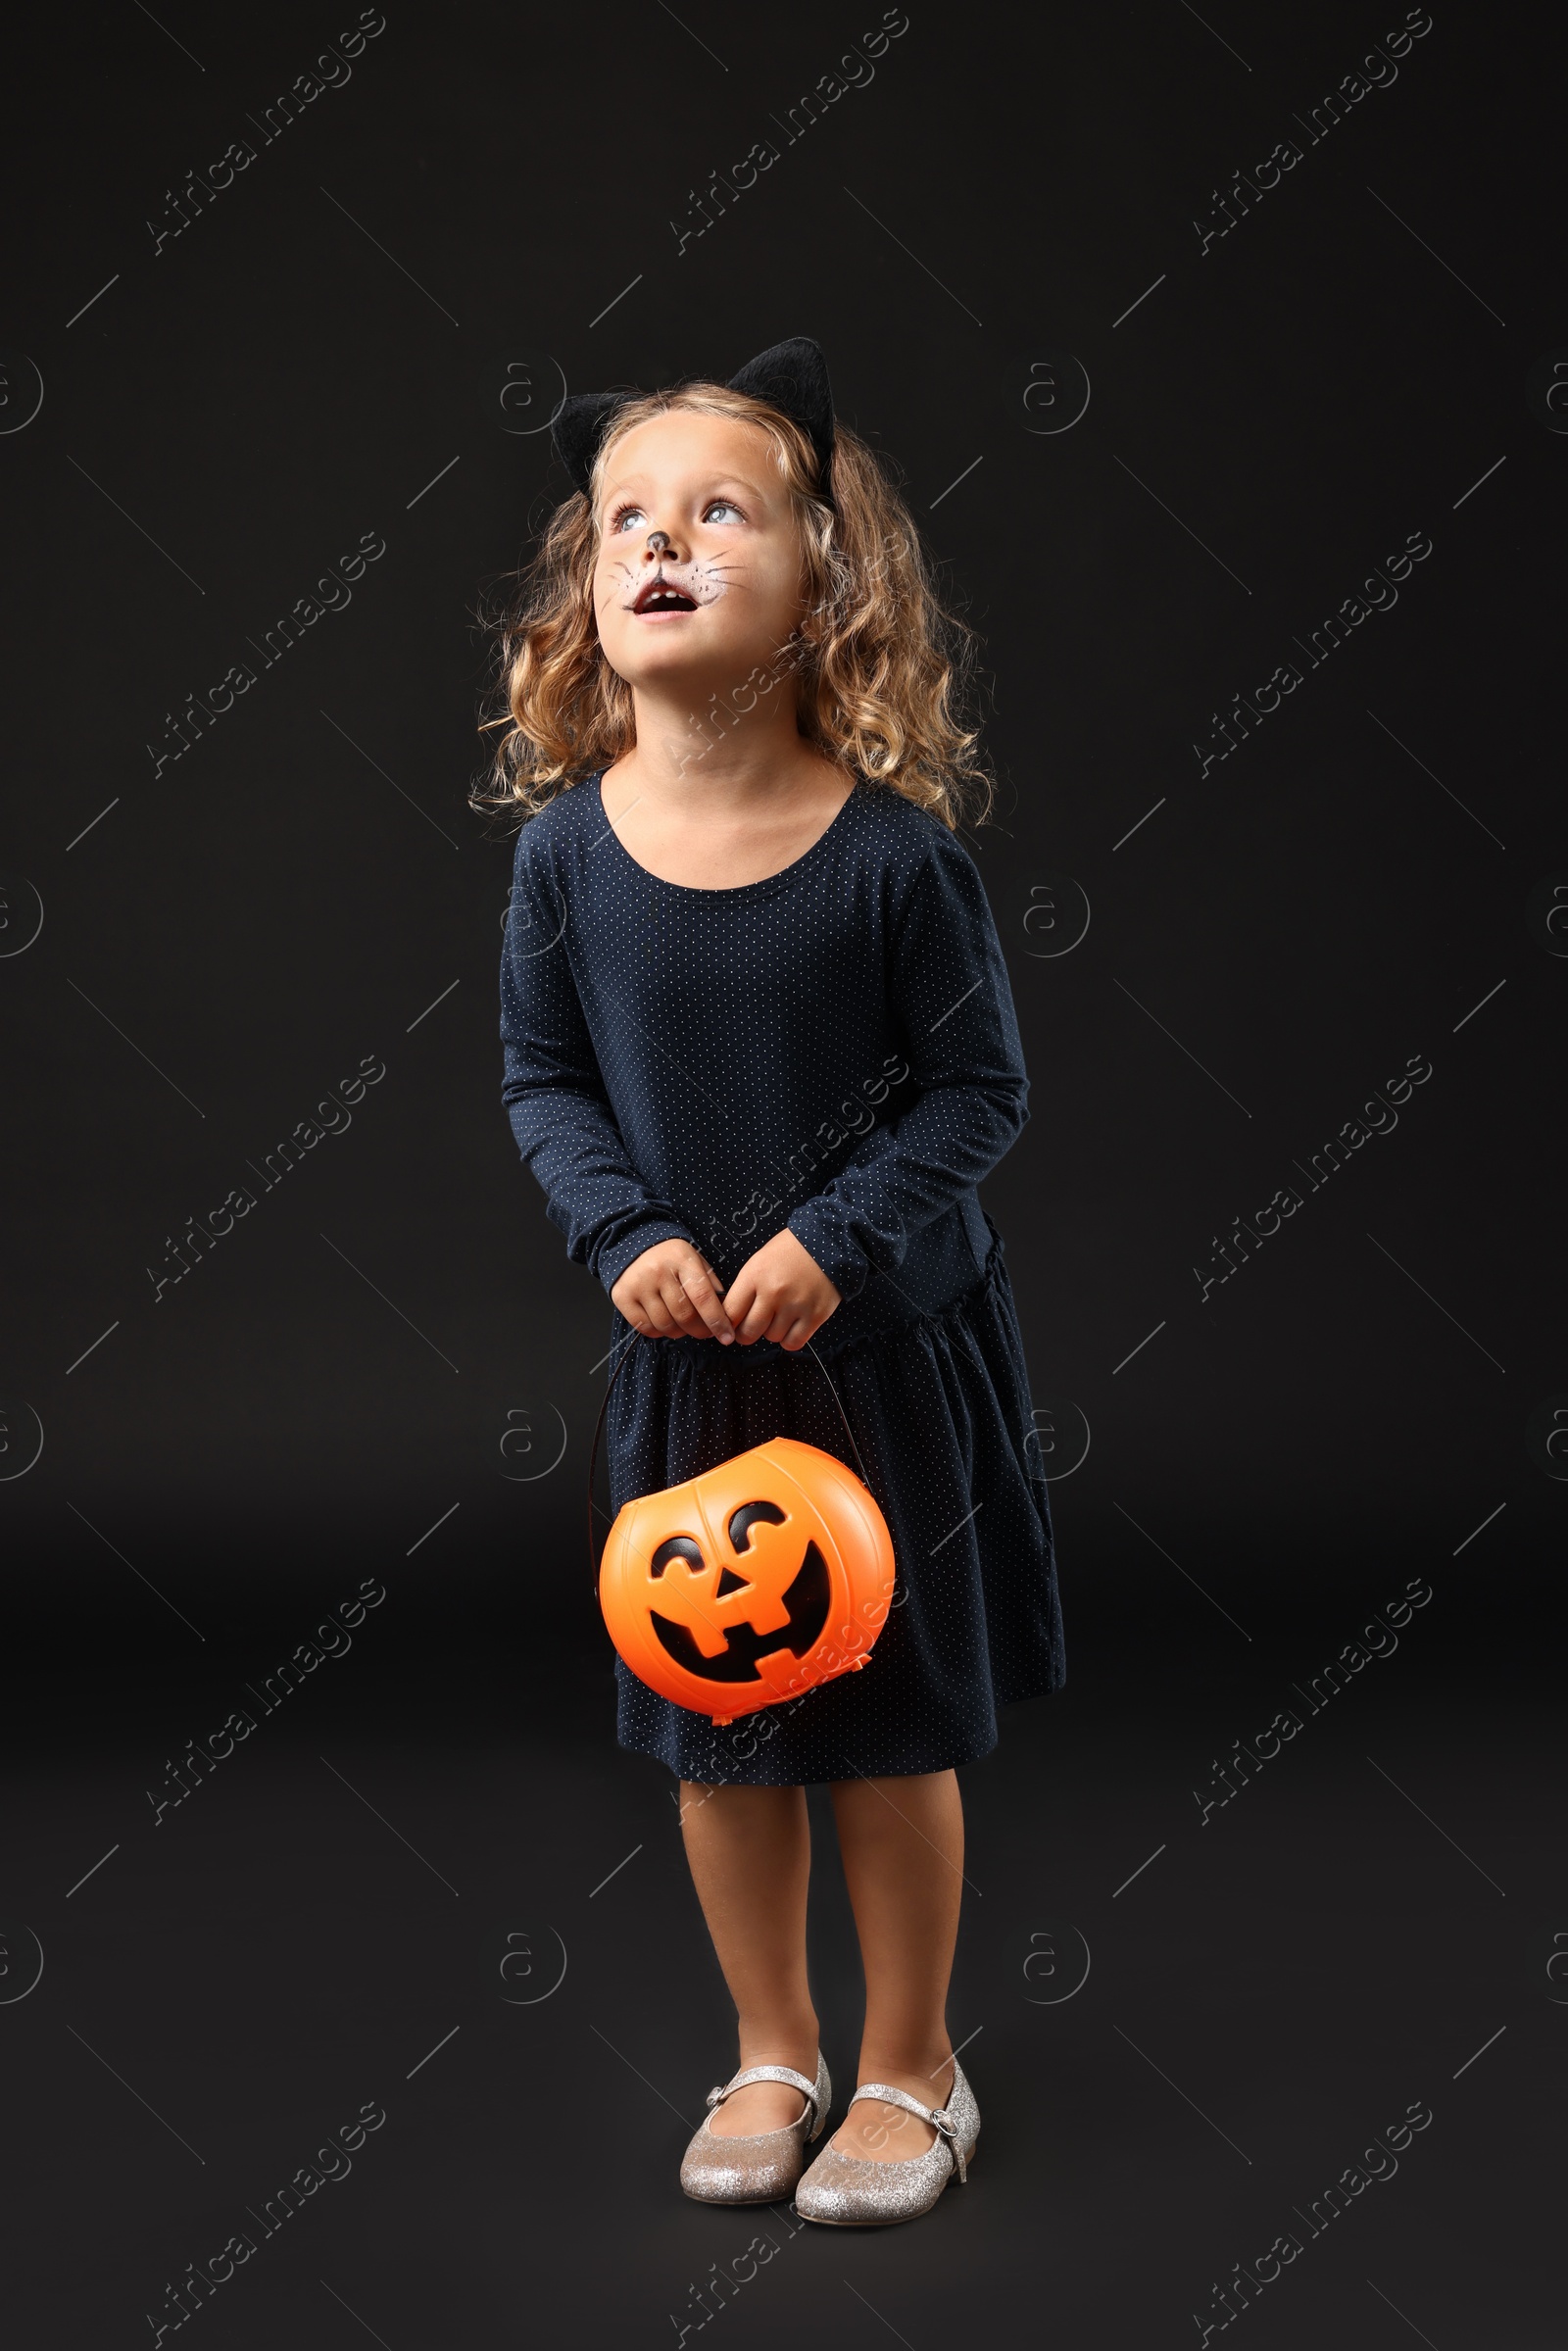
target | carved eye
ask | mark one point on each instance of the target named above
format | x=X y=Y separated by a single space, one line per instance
x=676 y=1546
x=749 y=1516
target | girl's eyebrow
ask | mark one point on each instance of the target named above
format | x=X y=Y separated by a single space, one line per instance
x=630 y=482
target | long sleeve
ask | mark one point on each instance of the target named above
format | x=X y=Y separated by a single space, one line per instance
x=948 y=985
x=554 y=1095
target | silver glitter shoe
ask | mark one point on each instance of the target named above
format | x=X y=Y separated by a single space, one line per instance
x=850 y=2192
x=765 y=2166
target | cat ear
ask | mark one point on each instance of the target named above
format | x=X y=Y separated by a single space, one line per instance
x=793 y=376
x=578 y=430
x=790 y=375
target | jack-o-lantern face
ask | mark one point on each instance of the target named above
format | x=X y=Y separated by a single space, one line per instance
x=770 y=1608
x=764 y=1576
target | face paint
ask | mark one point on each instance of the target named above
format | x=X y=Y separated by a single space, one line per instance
x=698 y=582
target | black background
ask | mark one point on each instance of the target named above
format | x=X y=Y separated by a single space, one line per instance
x=387 y=1370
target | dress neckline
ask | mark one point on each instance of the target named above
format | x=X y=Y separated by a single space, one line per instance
x=768 y=882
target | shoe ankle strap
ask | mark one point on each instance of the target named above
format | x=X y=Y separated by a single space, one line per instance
x=940 y=2119
x=768 y=2072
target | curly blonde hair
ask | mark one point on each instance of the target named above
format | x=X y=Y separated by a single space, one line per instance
x=883 y=668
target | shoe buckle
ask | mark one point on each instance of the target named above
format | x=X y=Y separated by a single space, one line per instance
x=948 y=2129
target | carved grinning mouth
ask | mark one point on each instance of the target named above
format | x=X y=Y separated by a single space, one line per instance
x=807 y=1599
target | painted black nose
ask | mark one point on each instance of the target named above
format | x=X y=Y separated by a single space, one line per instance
x=658 y=541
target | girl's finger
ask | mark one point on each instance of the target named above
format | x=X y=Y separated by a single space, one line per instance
x=698 y=1282
x=683 y=1307
x=739 y=1305
x=654 y=1308
x=780 y=1322
x=678 y=1306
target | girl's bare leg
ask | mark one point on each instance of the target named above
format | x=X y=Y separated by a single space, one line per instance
x=749 y=1851
x=901 y=1842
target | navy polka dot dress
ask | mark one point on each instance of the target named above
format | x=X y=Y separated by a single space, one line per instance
x=833 y=1049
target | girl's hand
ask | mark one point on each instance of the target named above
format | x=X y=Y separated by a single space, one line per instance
x=780 y=1292
x=671 y=1292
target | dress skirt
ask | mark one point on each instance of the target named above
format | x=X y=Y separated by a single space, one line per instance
x=941 y=1416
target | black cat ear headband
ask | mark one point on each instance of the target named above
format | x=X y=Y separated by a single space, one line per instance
x=790 y=375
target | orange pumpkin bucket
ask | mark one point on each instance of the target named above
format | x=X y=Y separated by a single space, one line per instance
x=750 y=1584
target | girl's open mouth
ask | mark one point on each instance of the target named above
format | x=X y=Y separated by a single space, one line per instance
x=659 y=596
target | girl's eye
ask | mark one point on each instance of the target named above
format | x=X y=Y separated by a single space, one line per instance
x=724 y=507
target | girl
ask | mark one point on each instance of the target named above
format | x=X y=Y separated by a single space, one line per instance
x=759 y=1048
